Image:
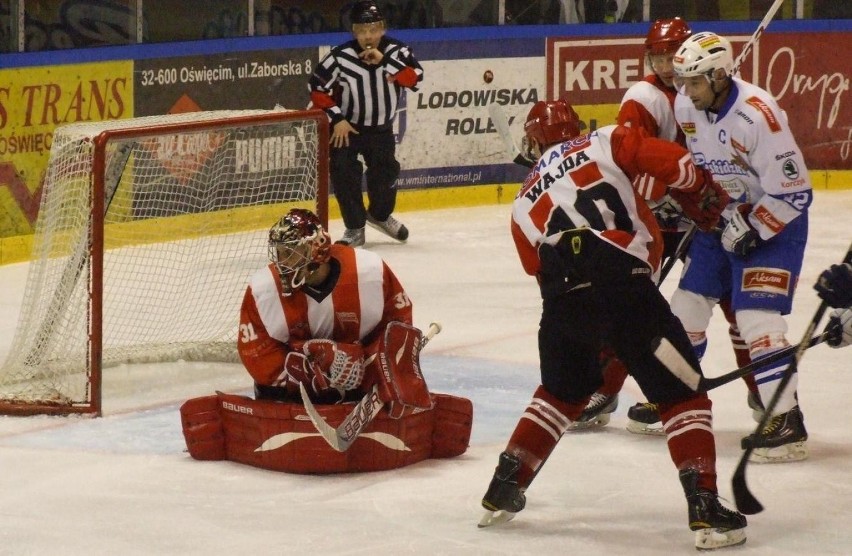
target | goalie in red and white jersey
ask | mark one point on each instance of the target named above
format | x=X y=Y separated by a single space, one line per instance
x=308 y=315
x=593 y=245
x=336 y=320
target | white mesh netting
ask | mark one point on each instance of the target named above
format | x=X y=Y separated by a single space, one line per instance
x=187 y=213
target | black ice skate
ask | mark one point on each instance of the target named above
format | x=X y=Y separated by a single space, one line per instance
x=783 y=439
x=391 y=227
x=504 y=498
x=715 y=526
x=644 y=418
x=597 y=412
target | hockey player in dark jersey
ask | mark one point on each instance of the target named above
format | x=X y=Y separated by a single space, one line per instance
x=594 y=247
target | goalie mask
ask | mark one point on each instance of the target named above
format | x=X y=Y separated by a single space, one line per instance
x=298 y=245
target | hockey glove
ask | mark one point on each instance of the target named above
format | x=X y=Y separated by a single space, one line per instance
x=705 y=205
x=342 y=363
x=834 y=285
x=667 y=212
x=839 y=328
x=299 y=370
x=739 y=237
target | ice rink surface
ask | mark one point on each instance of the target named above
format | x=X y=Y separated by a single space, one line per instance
x=122 y=484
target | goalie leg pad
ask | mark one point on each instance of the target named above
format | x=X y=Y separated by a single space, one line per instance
x=202 y=428
x=453 y=421
x=397 y=370
x=280 y=436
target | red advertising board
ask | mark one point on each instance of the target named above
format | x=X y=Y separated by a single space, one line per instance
x=812 y=87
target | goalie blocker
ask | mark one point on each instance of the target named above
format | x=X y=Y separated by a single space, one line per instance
x=411 y=426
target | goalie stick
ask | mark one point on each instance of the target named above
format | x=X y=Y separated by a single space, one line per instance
x=745 y=500
x=362 y=414
x=666 y=353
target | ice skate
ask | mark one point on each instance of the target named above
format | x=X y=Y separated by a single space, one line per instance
x=504 y=498
x=644 y=418
x=715 y=525
x=353 y=237
x=391 y=227
x=597 y=412
x=782 y=440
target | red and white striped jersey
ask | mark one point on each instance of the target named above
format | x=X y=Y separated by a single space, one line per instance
x=366 y=297
x=649 y=104
x=587 y=183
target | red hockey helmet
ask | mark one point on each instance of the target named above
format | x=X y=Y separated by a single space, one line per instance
x=552 y=121
x=298 y=244
x=666 y=35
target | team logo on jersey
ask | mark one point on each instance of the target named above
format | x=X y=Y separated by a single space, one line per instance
x=791 y=169
x=688 y=127
x=768 y=219
x=346 y=317
x=766 y=280
x=768 y=114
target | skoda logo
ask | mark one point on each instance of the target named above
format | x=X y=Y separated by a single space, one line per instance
x=791 y=170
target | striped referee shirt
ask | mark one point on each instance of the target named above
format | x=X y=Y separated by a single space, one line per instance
x=362 y=94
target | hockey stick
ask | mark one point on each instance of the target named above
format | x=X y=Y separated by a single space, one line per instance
x=682 y=246
x=678 y=366
x=364 y=412
x=744 y=499
x=501 y=122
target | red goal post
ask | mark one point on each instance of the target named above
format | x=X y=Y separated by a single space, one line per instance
x=147 y=232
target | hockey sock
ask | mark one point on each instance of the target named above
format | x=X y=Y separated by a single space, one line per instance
x=699 y=343
x=539 y=429
x=614 y=373
x=768 y=377
x=689 y=434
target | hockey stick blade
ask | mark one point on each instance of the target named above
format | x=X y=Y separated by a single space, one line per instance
x=501 y=123
x=677 y=365
x=744 y=499
x=342 y=437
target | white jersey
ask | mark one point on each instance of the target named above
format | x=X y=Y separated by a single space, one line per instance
x=749 y=148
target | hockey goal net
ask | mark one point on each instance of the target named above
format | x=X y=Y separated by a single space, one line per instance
x=147 y=232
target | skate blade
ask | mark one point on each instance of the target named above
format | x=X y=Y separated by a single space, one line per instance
x=495 y=518
x=644 y=428
x=796 y=451
x=592 y=424
x=712 y=538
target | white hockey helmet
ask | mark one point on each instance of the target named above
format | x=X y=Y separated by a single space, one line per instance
x=703 y=54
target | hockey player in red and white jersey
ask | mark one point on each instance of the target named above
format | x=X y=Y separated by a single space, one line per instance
x=593 y=245
x=739 y=133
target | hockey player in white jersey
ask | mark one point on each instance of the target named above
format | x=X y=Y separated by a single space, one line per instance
x=737 y=131
x=649 y=104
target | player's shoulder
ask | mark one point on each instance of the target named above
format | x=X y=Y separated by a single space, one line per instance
x=754 y=106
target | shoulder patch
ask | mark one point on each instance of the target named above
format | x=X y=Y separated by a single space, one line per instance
x=768 y=114
x=688 y=127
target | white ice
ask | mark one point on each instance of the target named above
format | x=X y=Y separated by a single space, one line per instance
x=122 y=484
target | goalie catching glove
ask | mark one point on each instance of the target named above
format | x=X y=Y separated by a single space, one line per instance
x=704 y=205
x=739 y=236
x=326 y=365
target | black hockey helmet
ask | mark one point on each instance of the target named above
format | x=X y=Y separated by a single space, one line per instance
x=365 y=11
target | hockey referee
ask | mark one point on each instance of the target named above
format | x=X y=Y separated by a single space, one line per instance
x=358 y=85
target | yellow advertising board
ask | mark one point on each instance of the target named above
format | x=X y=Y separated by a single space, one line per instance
x=34 y=101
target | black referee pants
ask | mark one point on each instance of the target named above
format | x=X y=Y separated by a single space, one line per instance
x=378 y=149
